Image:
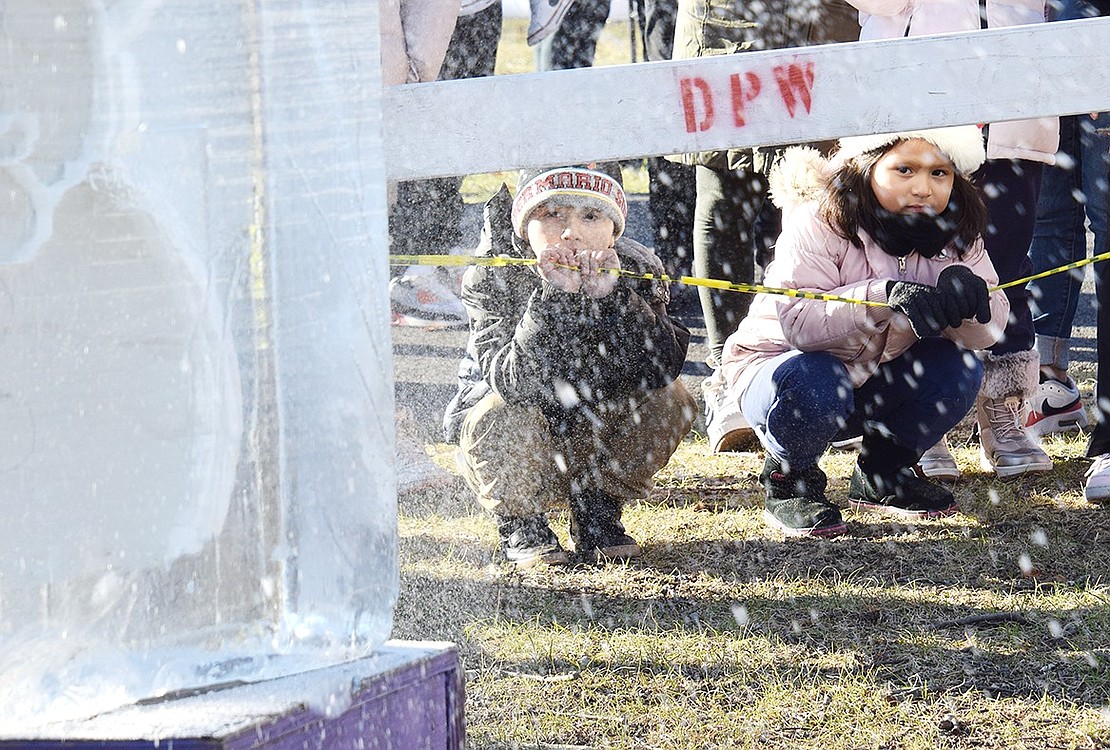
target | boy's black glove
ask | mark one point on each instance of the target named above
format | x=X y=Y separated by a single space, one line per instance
x=930 y=311
x=968 y=292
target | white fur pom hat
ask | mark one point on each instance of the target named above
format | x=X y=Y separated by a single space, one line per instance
x=963 y=144
x=575 y=186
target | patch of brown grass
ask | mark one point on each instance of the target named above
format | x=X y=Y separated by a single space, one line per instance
x=989 y=629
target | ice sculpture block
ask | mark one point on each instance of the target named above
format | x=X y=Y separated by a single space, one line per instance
x=196 y=406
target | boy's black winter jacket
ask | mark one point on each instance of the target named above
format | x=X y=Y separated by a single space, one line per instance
x=566 y=353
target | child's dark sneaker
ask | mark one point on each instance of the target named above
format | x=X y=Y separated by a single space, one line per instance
x=903 y=494
x=529 y=541
x=796 y=502
x=596 y=528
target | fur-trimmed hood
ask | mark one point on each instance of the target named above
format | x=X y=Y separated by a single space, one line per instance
x=799 y=176
x=802 y=173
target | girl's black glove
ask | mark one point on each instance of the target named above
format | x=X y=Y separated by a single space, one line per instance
x=930 y=311
x=968 y=293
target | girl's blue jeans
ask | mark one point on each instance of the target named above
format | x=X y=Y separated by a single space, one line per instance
x=799 y=402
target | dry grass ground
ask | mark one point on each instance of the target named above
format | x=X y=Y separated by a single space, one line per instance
x=987 y=630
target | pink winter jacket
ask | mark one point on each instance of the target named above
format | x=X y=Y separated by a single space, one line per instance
x=811 y=256
x=1036 y=139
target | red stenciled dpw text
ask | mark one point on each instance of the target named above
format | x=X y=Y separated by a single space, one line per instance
x=794 y=84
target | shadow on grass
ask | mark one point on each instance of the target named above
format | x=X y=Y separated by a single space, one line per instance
x=1003 y=601
x=885 y=639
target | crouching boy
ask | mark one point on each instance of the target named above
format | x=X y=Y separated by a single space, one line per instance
x=569 y=395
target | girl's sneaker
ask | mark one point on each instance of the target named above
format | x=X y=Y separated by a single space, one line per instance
x=902 y=494
x=596 y=528
x=1097 y=489
x=546 y=15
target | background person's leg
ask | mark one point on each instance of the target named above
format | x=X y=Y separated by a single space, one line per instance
x=728 y=203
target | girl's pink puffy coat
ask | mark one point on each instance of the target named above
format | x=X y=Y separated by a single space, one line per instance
x=810 y=256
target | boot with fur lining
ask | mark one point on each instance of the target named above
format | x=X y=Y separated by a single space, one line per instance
x=1005 y=446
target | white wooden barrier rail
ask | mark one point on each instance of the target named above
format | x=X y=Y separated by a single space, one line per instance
x=747 y=99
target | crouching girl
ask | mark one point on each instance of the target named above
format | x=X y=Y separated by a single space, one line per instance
x=891 y=220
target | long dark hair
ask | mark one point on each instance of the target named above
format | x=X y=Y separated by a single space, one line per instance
x=849 y=203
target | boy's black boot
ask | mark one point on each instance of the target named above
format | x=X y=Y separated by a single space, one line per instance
x=596 y=528
x=796 y=502
x=528 y=541
x=884 y=482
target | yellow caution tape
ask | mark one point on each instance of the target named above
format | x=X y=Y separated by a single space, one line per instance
x=732 y=286
x=503 y=260
x=459 y=260
x=1052 y=271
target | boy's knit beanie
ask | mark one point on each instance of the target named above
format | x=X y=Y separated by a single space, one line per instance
x=598 y=186
x=963 y=144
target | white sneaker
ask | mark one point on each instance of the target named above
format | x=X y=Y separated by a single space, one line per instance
x=725 y=424
x=419 y=298
x=1097 y=489
x=546 y=17
x=938 y=462
x=1056 y=407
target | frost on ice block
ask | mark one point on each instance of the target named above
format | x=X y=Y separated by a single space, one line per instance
x=196 y=469
x=406 y=696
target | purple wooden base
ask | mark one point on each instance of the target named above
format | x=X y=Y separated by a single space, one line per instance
x=407 y=696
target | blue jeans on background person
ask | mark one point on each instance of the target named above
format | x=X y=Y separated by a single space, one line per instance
x=1073 y=192
x=800 y=401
